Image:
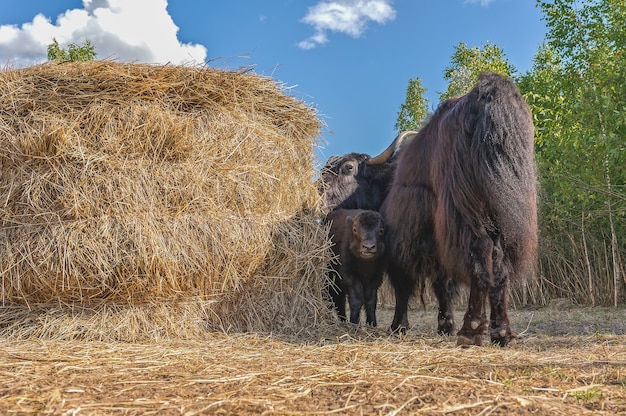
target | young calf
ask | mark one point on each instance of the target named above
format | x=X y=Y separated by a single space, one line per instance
x=358 y=243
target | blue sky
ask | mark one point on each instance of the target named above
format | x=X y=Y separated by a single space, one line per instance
x=349 y=59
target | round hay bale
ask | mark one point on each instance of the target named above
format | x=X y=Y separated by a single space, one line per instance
x=127 y=184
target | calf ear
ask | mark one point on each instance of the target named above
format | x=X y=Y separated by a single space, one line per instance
x=349 y=221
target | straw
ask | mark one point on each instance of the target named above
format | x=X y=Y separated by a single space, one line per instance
x=129 y=184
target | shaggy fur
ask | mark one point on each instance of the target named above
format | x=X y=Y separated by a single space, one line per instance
x=462 y=208
x=358 y=242
x=349 y=182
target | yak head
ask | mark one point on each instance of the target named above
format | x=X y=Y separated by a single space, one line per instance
x=358 y=181
x=368 y=228
x=348 y=182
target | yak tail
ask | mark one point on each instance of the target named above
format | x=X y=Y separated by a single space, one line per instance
x=494 y=189
x=504 y=151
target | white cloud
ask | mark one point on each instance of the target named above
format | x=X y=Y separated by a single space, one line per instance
x=344 y=16
x=112 y=27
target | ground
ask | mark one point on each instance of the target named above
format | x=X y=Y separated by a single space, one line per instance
x=568 y=361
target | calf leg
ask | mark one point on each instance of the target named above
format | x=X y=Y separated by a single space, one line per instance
x=371 y=298
x=475 y=321
x=445 y=290
x=355 y=300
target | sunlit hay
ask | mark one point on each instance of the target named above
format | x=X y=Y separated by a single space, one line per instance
x=126 y=185
x=290 y=284
x=350 y=373
x=107 y=322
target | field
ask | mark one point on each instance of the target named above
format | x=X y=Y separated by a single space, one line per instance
x=568 y=361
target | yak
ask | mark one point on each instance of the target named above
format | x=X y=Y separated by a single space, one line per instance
x=462 y=208
x=358 y=181
x=357 y=237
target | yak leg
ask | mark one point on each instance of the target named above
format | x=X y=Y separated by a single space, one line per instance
x=475 y=323
x=404 y=286
x=475 y=319
x=400 y=321
x=500 y=327
x=355 y=300
x=371 y=298
x=445 y=289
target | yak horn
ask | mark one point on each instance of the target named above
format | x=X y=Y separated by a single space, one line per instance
x=389 y=151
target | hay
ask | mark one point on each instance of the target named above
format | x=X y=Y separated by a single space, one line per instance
x=124 y=185
x=355 y=372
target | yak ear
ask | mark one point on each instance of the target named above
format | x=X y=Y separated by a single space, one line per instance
x=349 y=221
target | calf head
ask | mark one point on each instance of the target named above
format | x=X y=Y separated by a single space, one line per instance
x=368 y=228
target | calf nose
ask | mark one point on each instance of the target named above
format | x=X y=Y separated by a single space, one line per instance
x=369 y=246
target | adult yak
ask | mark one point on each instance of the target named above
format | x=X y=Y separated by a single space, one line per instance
x=462 y=208
x=358 y=181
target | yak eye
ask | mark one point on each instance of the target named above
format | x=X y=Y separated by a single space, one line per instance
x=348 y=168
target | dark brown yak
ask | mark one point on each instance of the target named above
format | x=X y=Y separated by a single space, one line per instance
x=357 y=181
x=462 y=208
x=358 y=242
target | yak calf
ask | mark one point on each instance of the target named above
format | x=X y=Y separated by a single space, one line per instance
x=358 y=242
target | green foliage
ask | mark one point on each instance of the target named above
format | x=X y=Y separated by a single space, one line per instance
x=55 y=53
x=74 y=53
x=468 y=63
x=577 y=92
x=415 y=108
x=577 y=89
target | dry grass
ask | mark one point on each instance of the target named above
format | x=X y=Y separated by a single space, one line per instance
x=339 y=371
x=158 y=193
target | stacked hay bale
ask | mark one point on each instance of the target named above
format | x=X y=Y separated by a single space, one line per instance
x=169 y=197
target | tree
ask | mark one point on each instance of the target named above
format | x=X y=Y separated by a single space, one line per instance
x=468 y=63
x=74 y=53
x=414 y=110
x=577 y=91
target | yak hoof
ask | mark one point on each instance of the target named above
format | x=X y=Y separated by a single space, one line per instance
x=445 y=327
x=502 y=337
x=464 y=341
x=471 y=334
x=399 y=330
